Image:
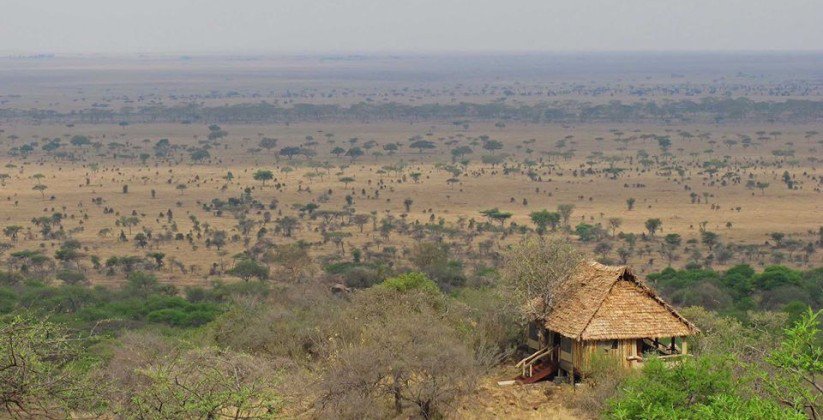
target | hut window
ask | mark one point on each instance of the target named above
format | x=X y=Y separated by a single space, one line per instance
x=614 y=344
x=566 y=345
x=533 y=331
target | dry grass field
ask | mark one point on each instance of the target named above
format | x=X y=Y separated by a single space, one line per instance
x=741 y=215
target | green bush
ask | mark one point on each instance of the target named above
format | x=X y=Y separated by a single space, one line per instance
x=736 y=290
x=174 y=317
x=8 y=300
x=71 y=277
x=411 y=281
x=702 y=388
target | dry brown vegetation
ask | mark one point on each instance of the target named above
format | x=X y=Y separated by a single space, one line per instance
x=445 y=195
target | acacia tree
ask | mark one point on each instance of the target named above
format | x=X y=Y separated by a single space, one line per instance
x=422 y=144
x=128 y=222
x=497 y=215
x=40 y=371
x=42 y=188
x=247 y=269
x=614 y=224
x=263 y=175
x=543 y=219
x=421 y=366
x=294 y=259
x=532 y=272
x=287 y=225
x=354 y=153
x=268 y=143
x=361 y=220
x=206 y=383
x=492 y=146
x=652 y=225
x=12 y=231
x=565 y=211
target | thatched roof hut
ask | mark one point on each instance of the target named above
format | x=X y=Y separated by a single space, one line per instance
x=602 y=302
x=608 y=309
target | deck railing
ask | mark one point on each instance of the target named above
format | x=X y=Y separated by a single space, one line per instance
x=527 y=364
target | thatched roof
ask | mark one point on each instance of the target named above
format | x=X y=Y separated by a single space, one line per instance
x=601 y=302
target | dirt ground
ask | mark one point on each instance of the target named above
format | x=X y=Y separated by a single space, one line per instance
x=543 y=400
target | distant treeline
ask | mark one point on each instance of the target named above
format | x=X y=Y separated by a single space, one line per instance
x=712 y=110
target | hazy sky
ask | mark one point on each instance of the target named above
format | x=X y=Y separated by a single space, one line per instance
x=110 y=26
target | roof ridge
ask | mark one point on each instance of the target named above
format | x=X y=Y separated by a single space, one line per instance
x=605 y=296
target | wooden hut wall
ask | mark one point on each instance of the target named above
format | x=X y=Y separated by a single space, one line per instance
x=621 y=350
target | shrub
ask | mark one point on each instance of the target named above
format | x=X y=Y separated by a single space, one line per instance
x=702 y=388
x=201 y=383
x=411 y=281
x=10 y=278
x=293 y=326
x=420 y=365
x=71 y=277
x=605 y=377
x=247 y=269
x=776 y=276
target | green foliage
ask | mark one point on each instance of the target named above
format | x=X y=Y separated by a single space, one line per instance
x=71 y=277
x=434 y=261
x=411 y=281
x=204 y=383
x=740 y=288
x=587 y=232
x=496 y=215
x=799 y=361
x=776 y=276
x=247 y=269
x=43 y=371
x=263 y=175
x=545 y=218
x=702 y=388
x=141 y=300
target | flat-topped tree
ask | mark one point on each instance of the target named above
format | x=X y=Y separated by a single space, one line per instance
x=268 y=143
x=497 y=215
x=492 y=146
x=12 y=231
x=263 y=175
x=543 y=219
x=354 y=153
x=421 y=145
x=247 y=269
x=42 y=188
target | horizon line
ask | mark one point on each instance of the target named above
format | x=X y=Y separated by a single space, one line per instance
x=389 y=53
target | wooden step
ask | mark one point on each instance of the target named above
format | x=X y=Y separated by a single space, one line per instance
x=539 y=373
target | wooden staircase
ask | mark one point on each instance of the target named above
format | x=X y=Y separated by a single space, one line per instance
x=539 y=373
x=538 y=366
